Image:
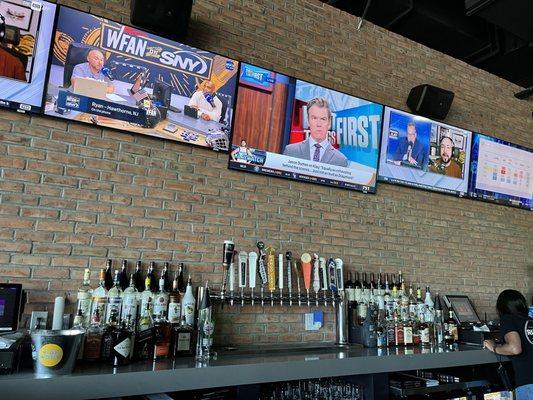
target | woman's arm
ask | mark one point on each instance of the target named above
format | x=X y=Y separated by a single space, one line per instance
x=511 y=347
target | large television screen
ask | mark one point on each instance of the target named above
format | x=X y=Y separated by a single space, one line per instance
x=501 y=172
x=419 y=152
x=294 y=129
x=113 y=75
x=24 y=52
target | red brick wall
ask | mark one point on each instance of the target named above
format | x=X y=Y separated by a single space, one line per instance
x=72 y=195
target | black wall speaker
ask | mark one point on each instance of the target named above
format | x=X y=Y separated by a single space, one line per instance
x=166 y=17
x=430 y=101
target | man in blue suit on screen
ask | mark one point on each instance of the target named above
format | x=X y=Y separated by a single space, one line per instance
x=410 y=151
x=317 y=146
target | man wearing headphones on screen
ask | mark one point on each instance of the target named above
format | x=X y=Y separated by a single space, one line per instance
x=206 y=102
x=445 y=164
x=317 y=146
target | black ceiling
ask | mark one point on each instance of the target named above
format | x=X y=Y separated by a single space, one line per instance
x=494 y=35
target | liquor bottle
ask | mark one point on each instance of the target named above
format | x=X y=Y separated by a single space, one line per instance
x=153 y=280
x=162 y=333
x=93 y=338
x=412 y=303
x=398 y=332
x=429 y=310
x=423 y=328
x=108 y=336
x=183 y=339
x=404 y=303
x=114 y=300
x=85 y=292
x=381 y=282
x=122 y=344
x=391 y=331
x=450 y=329
x=174 y=303
x=123 y=277
x=166 y=277
x=400 y=277
x=205 y=327
x=99 y=297
x=349 y=288
x=357 y=288
x=387 y=299
x=161 y=299
x=147 y=296
x=181 y=279
x=78 y=325
x=407 y=332
x=394 y=289
x=438 y=324
x=362 y=308
x=138 y=277
x=420 y=306
x=369 y=336
x=373 y=281
x=130 y=302
x=188 y=304
x=143 y=348
x=109 y=274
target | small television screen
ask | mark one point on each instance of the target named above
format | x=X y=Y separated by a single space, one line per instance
x=419 y=152
x=294 y=129
x=24 y=52
x=10 y=296
x=501 y=172
x=112 y=75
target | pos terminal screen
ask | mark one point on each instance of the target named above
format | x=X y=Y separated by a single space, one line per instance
x=9 y=306
x=463 y=309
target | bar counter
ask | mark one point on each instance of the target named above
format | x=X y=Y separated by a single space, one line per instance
x=241 y=367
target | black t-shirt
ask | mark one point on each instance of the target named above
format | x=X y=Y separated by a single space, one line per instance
x=523 y=362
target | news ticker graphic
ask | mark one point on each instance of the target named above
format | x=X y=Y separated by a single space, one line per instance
x=35 y=20
x=354 y=177
x=70 y=101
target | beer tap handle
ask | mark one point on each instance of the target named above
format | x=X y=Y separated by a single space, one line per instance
x=324 y=273
x=306 y=270
x=252 y=269
x=316 y=277
x=280 y=278
x=288 y=257
x=243 y=266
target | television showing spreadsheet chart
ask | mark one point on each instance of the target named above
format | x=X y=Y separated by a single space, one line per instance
x=501 y=172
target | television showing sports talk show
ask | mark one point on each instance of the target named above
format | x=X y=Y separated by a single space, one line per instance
x=113 y=75
x=294 y=129
x=25 y=35
x=501 y=172
x=419 y=152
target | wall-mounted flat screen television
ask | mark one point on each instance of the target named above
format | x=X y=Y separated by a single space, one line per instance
x=419 y=152
x=116 y=76
x=294 y=129
x=24 y=51
x=501 y=172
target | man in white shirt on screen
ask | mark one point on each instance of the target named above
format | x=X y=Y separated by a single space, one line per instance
x=317 y=146
x=206 y=102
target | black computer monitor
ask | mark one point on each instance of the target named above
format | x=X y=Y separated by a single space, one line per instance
x=463 y=309
x=10 y=302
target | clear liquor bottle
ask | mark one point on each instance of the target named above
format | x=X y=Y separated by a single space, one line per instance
x=114 y=300
x=130 y=304
x=161 y=299
x=85 y=292
x=174 y=303
x=147 y=296
x=99 y=297
x=188 y=304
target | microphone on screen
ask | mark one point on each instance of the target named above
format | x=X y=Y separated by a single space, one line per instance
x=107 y=73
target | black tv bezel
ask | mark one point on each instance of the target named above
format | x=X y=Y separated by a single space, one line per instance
x=472 y=195
x=18 y=301
x=359 y=188
x=427 y=188
x=185 y=143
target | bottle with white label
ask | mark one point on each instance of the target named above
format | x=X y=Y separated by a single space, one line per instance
x=99 y=297
x=130 y=305
x=160 y=299
x=85 y=292
x=114 y=299
x=188 y=304
x=147 y=296
x=174 y=303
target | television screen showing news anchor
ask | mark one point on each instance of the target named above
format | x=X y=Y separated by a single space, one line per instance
x=113 y=75
x=294 y=129
x=419 y=152
x=24 y=51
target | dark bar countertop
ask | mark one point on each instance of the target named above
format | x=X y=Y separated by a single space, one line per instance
x=231 y=368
